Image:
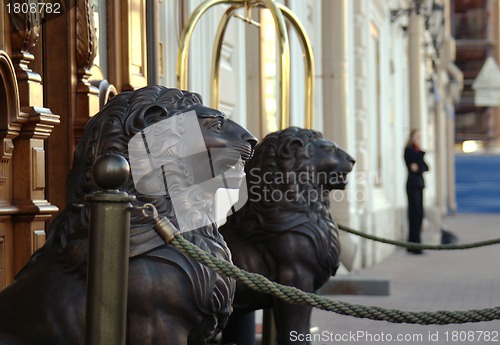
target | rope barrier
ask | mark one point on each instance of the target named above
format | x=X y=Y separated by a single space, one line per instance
x=293 y=295
x=171 y=235
x=411 y=245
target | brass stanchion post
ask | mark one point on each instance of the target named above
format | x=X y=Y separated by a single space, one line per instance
x=107 y=271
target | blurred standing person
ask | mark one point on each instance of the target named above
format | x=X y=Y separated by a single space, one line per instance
x=414 y=158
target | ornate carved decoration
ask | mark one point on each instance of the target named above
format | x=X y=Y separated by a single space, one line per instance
x=106 y=90
x=24 y=29
x=86 y=49
x=86 y=42
x=24 y=34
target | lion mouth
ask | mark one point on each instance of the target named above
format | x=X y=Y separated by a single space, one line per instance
x=340 y=176
x=245 y=150
x=339 y=180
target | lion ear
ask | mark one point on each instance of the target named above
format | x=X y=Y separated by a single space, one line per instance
x=153 y=114
x=143 y=116
x=310 y=150
x=287 y=149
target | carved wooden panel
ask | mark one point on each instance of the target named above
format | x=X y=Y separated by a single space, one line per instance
x=39 y=238
x=106 y=90
x=29 y=191
x=6 y=252
x=38 y=173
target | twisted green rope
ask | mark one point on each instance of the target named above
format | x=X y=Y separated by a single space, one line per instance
x=291 y=294
x=296 y=296
x=411 y=245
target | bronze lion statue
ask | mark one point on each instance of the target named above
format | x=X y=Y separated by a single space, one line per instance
x=172 y=299
x=285 y=231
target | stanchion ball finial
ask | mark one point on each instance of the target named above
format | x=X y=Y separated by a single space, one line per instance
x=111 y=171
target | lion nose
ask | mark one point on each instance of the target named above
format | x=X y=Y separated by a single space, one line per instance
x=249 y=138
x=350 y=159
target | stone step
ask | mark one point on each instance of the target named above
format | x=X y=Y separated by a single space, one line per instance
x=356 y=285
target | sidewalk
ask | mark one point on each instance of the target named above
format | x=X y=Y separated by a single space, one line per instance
x=458 y=280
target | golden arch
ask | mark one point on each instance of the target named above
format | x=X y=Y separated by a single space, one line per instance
x=279 y=13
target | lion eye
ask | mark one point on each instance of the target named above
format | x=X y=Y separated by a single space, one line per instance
x=217 y=126
x=329 y=147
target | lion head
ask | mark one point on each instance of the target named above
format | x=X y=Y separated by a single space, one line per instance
x=110 y=131
x=296 y=167
x=289 y=179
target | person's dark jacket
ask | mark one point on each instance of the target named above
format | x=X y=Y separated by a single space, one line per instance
x=413 y=155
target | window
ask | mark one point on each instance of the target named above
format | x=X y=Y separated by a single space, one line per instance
x=376 y=92
x=100 y=26
x=269 y=65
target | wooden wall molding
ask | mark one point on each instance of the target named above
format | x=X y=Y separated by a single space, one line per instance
x=9 y=130
x=37 y=122
x=34 y=124
x=9 y=108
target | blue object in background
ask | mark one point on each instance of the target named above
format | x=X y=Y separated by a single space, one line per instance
x=478 y=183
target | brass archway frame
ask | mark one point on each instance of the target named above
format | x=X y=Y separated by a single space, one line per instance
x=279 y=12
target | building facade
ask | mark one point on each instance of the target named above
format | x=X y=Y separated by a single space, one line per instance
x=475 y=25
x=381 y=68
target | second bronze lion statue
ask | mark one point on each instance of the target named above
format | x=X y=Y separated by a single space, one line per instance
x=172 y=299
x=285 y=231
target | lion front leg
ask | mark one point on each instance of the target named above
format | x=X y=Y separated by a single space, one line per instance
x=293 y=320
x=292 y=323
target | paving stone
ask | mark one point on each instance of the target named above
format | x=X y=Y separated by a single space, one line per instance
x=444 y=280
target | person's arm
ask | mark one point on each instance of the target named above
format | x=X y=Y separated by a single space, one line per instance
x=423 y=165
x=410 y=159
